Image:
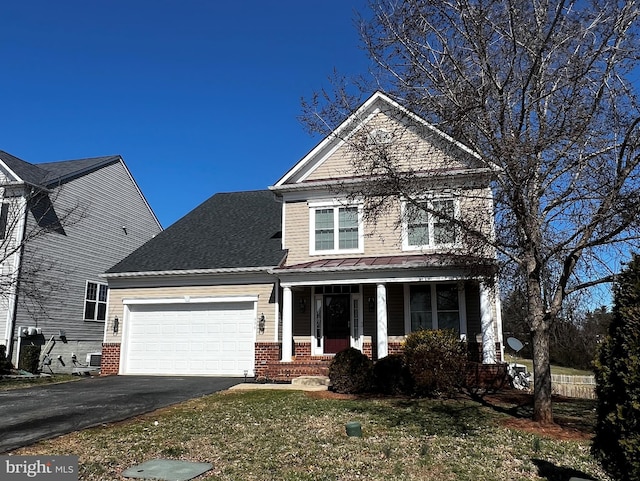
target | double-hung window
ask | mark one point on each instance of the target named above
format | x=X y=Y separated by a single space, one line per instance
x=95 y=302
x=429 y=223
x=335 y=229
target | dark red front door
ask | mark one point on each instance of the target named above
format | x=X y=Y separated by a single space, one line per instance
x=336 y=323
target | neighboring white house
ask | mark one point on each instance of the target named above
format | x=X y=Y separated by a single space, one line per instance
x=62 y=224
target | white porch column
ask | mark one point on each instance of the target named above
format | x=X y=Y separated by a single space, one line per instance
x=287 y=324
x=486 y=322
x=383 y=340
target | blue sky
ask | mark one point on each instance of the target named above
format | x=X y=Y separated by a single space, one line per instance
x=198 y=96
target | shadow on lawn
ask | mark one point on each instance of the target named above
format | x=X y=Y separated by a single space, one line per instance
x=431 y=417
x=569 y=413
x=551 y=472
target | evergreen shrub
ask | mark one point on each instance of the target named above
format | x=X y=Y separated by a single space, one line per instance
x=29 y=358
x=5 y=364
x=350 y=372
x=391 y=376
x=436 y=360
x=616 y=443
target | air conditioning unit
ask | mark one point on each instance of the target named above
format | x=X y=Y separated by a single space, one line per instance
x=94 y=359
x=24 y=331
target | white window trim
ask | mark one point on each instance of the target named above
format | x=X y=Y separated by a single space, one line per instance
x=97 y=301
x=317 y=326
x=335 y=205
x=357 y=312
x=431 y=222
x=462 y=307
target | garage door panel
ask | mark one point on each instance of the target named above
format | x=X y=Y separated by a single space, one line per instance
x=193 y=339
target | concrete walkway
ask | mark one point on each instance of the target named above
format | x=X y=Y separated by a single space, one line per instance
x=303 y=383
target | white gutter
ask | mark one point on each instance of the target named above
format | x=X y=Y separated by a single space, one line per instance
x=187 y=272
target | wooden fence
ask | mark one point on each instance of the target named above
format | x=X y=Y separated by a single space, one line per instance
x=583 y=387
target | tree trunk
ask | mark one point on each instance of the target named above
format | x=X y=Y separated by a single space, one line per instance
x=542 y=409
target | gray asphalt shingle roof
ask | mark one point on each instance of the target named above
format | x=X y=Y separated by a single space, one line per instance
x=229 y=230
x=51 y=173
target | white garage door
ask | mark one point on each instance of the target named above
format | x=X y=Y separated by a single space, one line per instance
x=190 y=339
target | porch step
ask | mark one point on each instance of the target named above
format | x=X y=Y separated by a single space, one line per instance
x=310 y=381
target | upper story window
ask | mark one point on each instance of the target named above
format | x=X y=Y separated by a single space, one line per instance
x=4 y=219
x=95 y=302
x=430 y=223
x=335 y=229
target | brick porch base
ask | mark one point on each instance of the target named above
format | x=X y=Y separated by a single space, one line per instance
x=269 y=367
x=110 y=363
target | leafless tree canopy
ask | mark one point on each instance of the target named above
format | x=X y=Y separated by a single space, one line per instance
x=542 y=90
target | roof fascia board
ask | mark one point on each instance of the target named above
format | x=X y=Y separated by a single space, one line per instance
x=333 y=137
x=17 y=178
x=229 y=279
x=189 y=272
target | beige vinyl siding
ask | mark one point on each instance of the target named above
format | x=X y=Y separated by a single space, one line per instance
x=262 y=291
x=384 y=237
x=412 y=147
x=379 y=239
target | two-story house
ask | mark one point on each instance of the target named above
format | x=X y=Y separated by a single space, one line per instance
x=273 y=283
x=62 y=224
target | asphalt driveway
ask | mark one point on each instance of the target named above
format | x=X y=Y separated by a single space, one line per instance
x=41 y=412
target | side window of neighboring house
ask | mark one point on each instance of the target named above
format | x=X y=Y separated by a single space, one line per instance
x=428 y=224
x=434 y=306
x=4 y=219
x=95 y=302
x=335 y=229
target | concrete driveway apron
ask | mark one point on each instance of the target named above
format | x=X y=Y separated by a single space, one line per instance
x=41 y=412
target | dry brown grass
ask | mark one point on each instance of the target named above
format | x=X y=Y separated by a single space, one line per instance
x=285 y=435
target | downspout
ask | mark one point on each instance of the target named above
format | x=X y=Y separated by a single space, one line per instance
x=15 y=277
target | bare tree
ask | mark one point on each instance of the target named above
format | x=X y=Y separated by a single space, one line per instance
x=542 y=91
x=27 y=214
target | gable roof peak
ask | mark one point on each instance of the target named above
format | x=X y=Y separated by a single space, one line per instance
x=358 y=118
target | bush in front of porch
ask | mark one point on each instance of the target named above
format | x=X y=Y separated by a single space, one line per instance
x=351 y=372
x=437 y=362
x=433 y=364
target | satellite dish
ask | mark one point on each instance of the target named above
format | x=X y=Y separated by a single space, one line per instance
x=514 y=344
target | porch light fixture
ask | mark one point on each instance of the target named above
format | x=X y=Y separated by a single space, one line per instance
x=302 y=304
x=116 y=325
x=261 y=324
x=372 y=304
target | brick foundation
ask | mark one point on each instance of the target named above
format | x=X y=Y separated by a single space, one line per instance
x=110 y=363
x=269 y=367
x=486 y=376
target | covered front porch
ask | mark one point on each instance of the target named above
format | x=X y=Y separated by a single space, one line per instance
x=326 y=312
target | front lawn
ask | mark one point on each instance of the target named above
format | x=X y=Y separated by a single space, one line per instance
x=291 y=435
